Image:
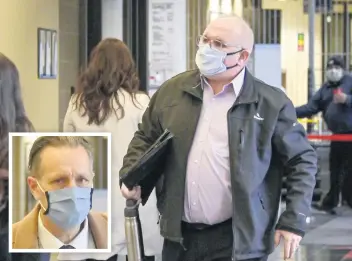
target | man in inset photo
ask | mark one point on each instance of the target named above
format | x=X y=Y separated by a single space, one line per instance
x=61 y=181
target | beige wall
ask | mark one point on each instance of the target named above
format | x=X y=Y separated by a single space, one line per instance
x=69 y=52
x=19 y=21
x=46 y=99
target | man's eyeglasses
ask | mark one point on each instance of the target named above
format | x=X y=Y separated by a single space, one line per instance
x=216 y=44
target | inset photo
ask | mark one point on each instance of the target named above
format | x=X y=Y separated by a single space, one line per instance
x=59 y=192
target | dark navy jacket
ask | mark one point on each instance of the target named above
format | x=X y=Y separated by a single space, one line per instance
x=337 y=116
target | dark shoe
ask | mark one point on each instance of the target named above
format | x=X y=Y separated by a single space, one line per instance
x=320 y=207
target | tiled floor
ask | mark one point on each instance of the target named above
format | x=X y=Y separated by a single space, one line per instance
x=313 y=253
x=317 y=253
x=329 y=238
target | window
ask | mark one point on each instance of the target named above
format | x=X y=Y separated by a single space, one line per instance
x=214 y=9
x=266 y=25
x=226 y=7
x=219 y=7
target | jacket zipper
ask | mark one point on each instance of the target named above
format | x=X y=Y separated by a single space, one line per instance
x=231 y=171
x=241 y=143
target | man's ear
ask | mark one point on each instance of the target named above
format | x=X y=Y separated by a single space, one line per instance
x=245 y=56
x=34 y=188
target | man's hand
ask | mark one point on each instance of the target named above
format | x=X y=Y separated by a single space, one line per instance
x=340 y=97
x=291 y=242
x=135 y=193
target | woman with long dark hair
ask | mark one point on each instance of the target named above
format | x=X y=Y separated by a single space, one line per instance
x=108 y=99
x=13 y=118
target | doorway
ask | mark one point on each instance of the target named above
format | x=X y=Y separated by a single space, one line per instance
x=336 y=35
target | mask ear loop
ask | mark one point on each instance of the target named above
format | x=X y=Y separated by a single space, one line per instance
x=46 y=210
x=233 y=53
x=91 y=193
x=91 y=197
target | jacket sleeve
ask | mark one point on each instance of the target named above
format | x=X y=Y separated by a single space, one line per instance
x=148 y=132
x=349 y=100
x=300 y=162
x=312 y=107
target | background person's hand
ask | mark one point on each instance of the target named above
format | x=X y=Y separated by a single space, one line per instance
x=291 y=242
x=135 y=193
x=340 y=97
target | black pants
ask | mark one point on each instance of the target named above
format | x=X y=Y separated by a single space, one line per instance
x=340 y=174
x=210 y=243
x=113 y=258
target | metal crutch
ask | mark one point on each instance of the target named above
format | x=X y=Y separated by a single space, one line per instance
x=133 y=230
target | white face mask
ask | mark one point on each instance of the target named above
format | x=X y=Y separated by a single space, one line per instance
x=211 y=61
x=334 y=74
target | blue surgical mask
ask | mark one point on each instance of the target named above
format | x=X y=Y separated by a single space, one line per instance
x=211 y=61
x=68 y=207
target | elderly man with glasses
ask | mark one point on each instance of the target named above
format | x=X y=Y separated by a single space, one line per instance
x=235 y=136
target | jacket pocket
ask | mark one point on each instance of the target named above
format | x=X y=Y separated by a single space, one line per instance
x=265 y=208
x=268 y=213
x=252 y=131
x=262 y=203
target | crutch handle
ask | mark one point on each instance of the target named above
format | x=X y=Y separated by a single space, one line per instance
x=130 y=203
x=131 y=209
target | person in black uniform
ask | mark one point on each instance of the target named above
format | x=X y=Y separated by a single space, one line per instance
x=334 y=100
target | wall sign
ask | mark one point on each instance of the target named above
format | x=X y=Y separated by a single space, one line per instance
x=167 y=40
x=300 y=42
x=47 y=53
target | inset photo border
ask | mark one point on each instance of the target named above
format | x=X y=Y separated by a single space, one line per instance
x=33 y=213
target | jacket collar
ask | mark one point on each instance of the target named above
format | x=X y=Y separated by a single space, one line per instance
x=29 y=226
x=191 y=84
x=337 y=84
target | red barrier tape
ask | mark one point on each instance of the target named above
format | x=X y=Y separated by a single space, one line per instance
x=336 y=137
x=348 y=256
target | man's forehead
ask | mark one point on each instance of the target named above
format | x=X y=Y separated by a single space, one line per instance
x=222 y=30
x=53 y=157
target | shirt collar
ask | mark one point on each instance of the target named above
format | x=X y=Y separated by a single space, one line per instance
x=49 y=241
x=236 y=83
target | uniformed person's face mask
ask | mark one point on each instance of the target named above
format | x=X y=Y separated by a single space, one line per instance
x=68 y=207
x=334 y=74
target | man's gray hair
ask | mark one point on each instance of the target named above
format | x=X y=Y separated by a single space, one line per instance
x=55 y=141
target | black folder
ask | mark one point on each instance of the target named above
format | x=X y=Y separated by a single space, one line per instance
x=147 y=171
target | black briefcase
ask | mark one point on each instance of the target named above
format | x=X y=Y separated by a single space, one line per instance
x=146 y=171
